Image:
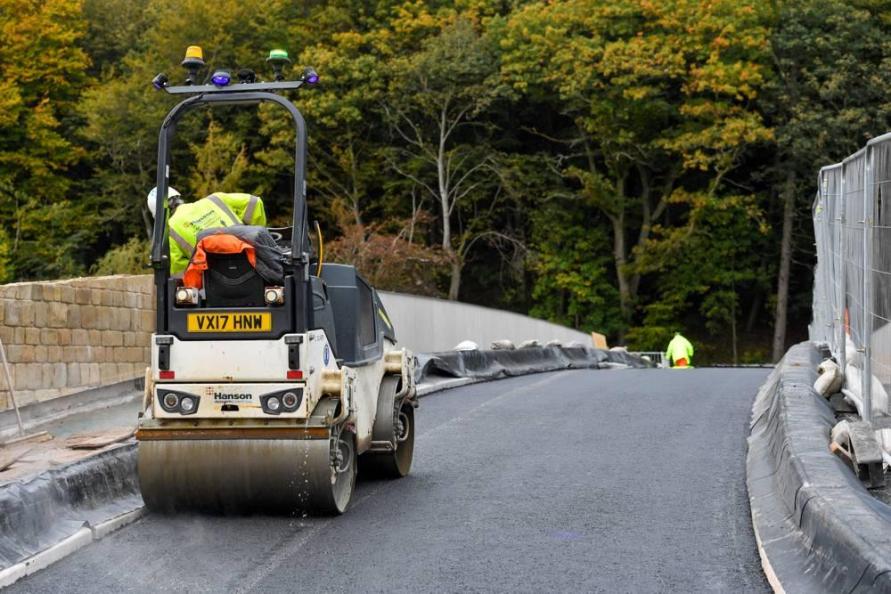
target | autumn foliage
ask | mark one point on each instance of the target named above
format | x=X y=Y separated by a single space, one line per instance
x=628 y=166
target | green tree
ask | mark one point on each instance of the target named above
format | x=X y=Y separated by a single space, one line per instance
x=442 y=91
x=654 y=96
x=833 y=68
x=42 y=69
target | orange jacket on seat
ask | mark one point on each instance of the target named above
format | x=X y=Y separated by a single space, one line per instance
x=219 y=243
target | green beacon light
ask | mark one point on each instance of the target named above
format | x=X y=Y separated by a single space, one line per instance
x=278 y=58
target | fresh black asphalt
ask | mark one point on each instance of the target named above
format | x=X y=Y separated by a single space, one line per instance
x=577 y=481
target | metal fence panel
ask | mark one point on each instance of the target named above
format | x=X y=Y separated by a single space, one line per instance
x=853 y=169
x=852 y=279
x=879 y=295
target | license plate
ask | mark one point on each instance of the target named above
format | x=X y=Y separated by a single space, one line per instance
x=229 y=322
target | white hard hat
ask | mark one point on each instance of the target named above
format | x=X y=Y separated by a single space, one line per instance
x=171 y=193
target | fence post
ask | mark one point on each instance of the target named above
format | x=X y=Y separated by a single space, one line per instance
x=866 y=380
x=841 y=343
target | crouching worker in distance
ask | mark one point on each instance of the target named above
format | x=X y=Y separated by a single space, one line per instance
x=187 y=220
x=679 y=352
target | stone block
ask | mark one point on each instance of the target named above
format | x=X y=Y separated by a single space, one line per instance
x=41 y=314
x=73 y=317
x=28 y=376
x=106 y=298
x=131 y=300
x=112 y=338
x=52 y=292
x=67 y=294
x=108 y=374
x=95 y=296
x=82 y=296
x=54 y=354
x=12 y=372
x=63 y=337
x=46 y=376
x=129 y=339
x=58 y=315
x=69 y=353
x=134 y=354
x=84 y=371
x=146 y=321
x=129 y=318
x=19 y=313
x=41 y=354
x=32 y=335
x=88 y=314
x=23 y=291
x=95 y=375
x=20 y=354
x=80 y=336
x=49 y=337
x=95 y=337
x=19 y=336
x=73 y=374
x=60 y=375
x=118 y=318
x=104 y=318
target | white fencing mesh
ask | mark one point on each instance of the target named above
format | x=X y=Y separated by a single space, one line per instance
x=852 y=280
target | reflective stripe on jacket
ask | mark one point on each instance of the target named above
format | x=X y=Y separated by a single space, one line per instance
x=217 y=210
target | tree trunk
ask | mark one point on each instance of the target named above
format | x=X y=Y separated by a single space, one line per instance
x=455 y=282
x=780 y=318
x=621 y=259
x=754 y=310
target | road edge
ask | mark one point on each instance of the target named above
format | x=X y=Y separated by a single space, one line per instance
x=817 y=527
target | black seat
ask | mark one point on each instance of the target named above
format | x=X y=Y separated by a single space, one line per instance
x=231 y=281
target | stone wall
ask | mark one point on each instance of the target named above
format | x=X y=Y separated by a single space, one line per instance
x=62 y=337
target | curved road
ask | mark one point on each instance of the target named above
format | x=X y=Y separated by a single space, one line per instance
x=578 y=481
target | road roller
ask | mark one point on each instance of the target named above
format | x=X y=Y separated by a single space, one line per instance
x=269 y=386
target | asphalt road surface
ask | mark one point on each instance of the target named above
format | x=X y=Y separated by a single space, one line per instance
x=578 y=481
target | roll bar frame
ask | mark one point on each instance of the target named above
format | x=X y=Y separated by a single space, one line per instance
x=254 y=94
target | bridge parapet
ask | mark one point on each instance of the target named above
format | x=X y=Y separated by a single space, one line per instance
x=66 y=336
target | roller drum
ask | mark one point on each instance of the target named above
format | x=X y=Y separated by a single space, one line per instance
x=246 y=475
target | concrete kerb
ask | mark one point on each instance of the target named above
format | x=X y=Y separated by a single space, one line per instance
x=817 y=528
x=91 y=478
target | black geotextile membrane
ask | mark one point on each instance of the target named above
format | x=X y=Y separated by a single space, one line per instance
x=42 y=510
x=820 y=529
x=502 y=363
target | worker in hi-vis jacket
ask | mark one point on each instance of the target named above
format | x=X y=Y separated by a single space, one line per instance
x=188 y=219
x=679 y=352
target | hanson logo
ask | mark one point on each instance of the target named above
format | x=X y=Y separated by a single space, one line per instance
x=231 y=397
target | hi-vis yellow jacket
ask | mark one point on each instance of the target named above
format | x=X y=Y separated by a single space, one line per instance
x=679 y=348
x=217 y=210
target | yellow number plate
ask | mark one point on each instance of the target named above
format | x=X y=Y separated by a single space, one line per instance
x=230 y=322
